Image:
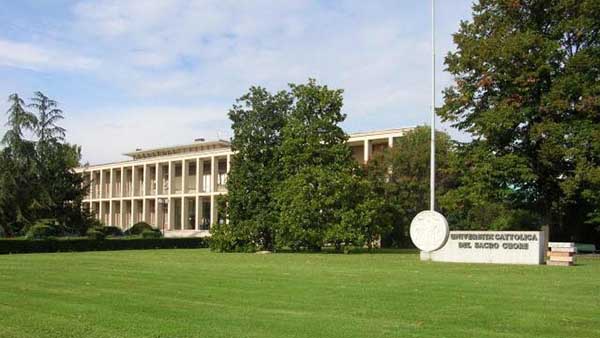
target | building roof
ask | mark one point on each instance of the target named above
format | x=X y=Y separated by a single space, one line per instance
x=209 y=146
x=178 y=149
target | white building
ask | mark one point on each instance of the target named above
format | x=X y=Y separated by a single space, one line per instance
x=175 y=188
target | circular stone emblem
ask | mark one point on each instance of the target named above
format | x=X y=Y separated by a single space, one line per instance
x=429 y=230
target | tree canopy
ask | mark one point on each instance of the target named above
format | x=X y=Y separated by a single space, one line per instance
x=527 y=88
x=293 y=182
x=37 y=180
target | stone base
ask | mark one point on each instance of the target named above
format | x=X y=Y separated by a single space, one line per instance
x=496 y=247
x=557 y=263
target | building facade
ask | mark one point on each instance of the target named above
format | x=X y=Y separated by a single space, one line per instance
x=175 y=188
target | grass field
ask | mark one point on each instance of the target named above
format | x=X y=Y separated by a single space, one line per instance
x=196 y=293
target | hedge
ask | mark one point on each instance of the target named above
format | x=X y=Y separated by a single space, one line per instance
x=21 y=245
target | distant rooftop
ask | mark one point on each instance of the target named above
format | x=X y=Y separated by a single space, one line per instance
x=197 y=146
x=200 y=145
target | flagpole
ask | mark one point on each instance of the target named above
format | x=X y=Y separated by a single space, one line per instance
x=432 y=157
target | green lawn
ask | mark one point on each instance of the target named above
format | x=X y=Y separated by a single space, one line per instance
x=196 y=293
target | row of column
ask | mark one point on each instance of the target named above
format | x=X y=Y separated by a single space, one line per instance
x=129 y=184
x=170 y=195
x=172 y=213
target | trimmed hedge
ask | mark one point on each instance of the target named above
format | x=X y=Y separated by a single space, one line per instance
x=20 y=245
x=151 y=234
x=94 y=233
x=138 y=228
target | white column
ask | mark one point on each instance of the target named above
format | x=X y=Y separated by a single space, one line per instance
x=145 y=183
x=184 y=172
x=170 y=214
x=213 y=174
x=170 y=180
x=156 y=218
x=133 y=180
x=122 y=182
x=100 y=210
x=122 y=213
x=144 y=210
x=110 y=213
x=367 y=150
x=198 y=173
x=390 y=141
x=110 y=183
x=228 y=162
x=122 y=219
x=196 y=213
x=183 y=213
x=133 y=212
x=101 y=195
x=156 y=176
x=213 y=210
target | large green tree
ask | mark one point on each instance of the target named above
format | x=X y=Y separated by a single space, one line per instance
x=18 y=180
x=257 y=121
x=37 y=180
x=61 y=190
x=316 y=196
x=527 y=87
x=293 y=182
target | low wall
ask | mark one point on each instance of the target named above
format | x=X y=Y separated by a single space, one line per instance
x=501 y=247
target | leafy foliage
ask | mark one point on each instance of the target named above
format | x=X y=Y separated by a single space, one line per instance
x=293 y=182
x=44 y=228
x=154 y=233
x=257 y=119
x=533 y=106
x=110 y=230
x=37 y=180
x=138 y=228
x=316 y=198
x=95 y=233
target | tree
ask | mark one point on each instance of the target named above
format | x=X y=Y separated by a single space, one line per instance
x=17 y=170
x=62 y=191
x=533 y=106
x=315 y=195
x=257 y=120
x=401 y=175
x=37 y=180
x=45 y=125
x=293 y=182
x=19 y=120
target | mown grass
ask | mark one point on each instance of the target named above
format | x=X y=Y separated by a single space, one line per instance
x=196 y=293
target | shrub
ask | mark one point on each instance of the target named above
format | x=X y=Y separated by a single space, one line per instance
x=112 y=231
x=43 y=229
x=138 y=228
x=154 y=233
x=95 y=233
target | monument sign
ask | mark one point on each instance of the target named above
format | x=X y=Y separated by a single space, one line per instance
x=501 y=247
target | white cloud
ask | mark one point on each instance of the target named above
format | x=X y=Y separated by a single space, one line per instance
x=105 y=138
x=204 y=54
x=29 y=56
x=232 y=45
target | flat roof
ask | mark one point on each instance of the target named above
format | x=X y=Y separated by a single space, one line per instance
x=200 y=146
x=181 y=148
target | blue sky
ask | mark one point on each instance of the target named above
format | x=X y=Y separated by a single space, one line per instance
x=134 y=73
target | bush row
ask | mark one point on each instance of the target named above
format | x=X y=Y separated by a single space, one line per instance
x=20 y=245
